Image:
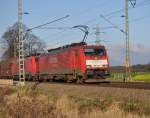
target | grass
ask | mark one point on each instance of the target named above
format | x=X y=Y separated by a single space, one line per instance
x=88 y=104
x=73 y=102
x=117 y=76
x=142 y=77
x=138 y=76
x=135 y=106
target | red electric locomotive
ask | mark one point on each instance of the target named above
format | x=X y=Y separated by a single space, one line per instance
x=76 y=62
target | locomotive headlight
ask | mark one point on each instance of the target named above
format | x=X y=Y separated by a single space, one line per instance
x=88 y=66
x=105 y=65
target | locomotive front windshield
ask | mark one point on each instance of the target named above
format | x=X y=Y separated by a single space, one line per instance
x=94 y=51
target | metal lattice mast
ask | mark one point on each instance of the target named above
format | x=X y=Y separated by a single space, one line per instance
x=127 y=60
x=21 y=45
x=97 y=33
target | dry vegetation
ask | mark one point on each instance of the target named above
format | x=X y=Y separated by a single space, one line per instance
x=73 y=102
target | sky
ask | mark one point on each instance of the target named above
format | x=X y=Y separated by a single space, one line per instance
x=85 y=12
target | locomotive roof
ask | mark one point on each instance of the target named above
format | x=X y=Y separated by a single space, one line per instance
x=68 y=46
x=94 y=46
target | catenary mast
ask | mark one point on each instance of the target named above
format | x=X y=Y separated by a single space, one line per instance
x=21 y=46
x=127 y=59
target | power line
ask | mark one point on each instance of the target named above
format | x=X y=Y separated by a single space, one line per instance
x=111 y=14
x=94 y=7
x=89 y=9
x=140 y=18
x=131 y=21
x=122 y=9
x=143 y=3
x=115 y=26
x=39 y=26
x=55 y=28
x=108 y=27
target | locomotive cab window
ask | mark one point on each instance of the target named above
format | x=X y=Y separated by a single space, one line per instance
x=94 y=51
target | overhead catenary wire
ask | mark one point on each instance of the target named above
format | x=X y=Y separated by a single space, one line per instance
x=57 y=28
x=110 y=27
x=107 y=15
x=80 y=13
x=106 y=2
x=112 y=14
x=89 y=9
x=62 y=32
x=143 y=3
x=131 y=21
x=117 y=11
x=39 y=26
x=115 y=26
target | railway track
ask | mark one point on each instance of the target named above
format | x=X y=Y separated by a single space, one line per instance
x=131 y=85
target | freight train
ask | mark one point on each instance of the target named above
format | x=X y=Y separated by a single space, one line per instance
x=77 y=62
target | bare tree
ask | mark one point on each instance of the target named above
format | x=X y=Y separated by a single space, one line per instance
x=32 y=43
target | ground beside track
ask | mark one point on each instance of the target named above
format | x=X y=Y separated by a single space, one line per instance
x=75 y=100
x=92 y=91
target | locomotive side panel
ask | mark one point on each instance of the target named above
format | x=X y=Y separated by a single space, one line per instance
x=30 y=67
x=62 y=63
x=15 y=69
x=54 y=64
x=79 y=60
